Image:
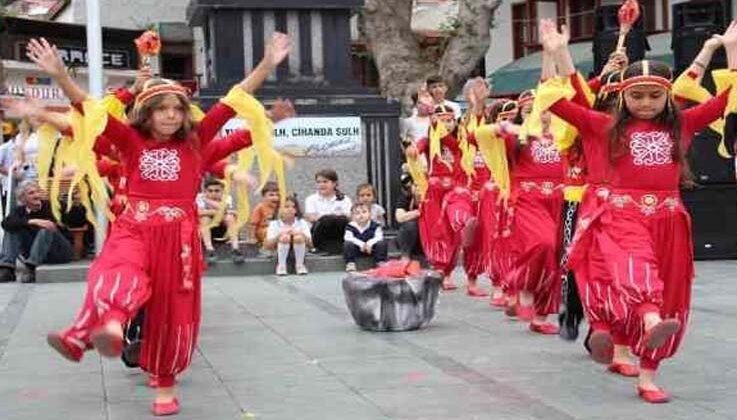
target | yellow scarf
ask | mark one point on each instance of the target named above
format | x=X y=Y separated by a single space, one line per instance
x=687 y=88
x=262 y=131
x=469 y=124
x=86 y=128
x=494 y=151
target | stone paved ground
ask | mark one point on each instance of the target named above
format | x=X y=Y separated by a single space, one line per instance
x=287 y=349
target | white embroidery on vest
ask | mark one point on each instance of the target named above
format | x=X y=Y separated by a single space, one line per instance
x=651 y=148
x=478 y=160
x=544 y=152
x=160 y=165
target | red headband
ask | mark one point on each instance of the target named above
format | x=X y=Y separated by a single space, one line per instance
x=444 y=115
x=613 y=87
x=506 y=114
x=526 y=100
x=646 y=81
x=169 y=88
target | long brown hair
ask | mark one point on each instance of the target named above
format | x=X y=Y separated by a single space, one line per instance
x=669 y=117
x=141 y=116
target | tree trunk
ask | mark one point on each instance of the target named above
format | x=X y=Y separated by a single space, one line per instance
x=402 y=60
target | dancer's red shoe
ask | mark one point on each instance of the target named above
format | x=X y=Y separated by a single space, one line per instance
x=525 y=313
x=498 y=302
x=166 y=409
x=511 y=310
x=448 y=285
x=545 y=328
x=475 y=291
x=602 y=347
x=657 y=396
x=67 y=350
x=624 y=369
x=661 y=332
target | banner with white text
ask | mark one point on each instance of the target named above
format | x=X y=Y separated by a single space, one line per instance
x=312 y=136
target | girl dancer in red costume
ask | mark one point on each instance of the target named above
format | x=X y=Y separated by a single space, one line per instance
x=639 y=241
x=158 y=228
x=492 y=216
x=480 y=183
x=447 y=219
x=530 y=237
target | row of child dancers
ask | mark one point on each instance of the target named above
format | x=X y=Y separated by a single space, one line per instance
x=569 y=197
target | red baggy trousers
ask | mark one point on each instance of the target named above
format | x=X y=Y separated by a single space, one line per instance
x=152 y=257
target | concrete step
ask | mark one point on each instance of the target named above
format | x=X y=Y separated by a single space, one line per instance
x=256 y=263
x=75 y=272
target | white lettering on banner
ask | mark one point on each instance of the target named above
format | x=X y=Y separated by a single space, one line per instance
x=78 y=56
x=40 y=92
x=312 y=136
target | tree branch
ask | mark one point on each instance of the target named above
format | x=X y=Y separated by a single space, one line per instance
x=404 y=63
x=472 y=40
x=396 y=50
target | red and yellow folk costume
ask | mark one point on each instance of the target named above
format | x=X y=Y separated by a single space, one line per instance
x=638 y=241
x=153 y=255
x=529 y=244
x=447 y=208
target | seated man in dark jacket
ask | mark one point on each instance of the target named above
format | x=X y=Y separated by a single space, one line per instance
x=33 y=235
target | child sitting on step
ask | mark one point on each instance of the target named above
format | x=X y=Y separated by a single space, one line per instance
x=287 y=231
x=363 y=236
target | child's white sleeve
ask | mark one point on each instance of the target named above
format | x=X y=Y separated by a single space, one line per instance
x=310 y=205
x=305 y=228
x=348 y=237
x=200 y=200
x=272 y=232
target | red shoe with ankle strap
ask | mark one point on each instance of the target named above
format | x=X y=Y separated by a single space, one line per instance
x=475 y=291
x=657 y=396
x=544 y=328
x=107 y=343
x=66 y=349
x=602 y=347
x=448 y=285
x=166 y=409
x=661 y=332
x=498 y=302
x=624 y=369
x=525 y=313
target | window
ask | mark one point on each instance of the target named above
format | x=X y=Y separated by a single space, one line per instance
x=581 y=14
x=524 y=29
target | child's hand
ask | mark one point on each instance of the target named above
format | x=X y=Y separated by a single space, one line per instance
x=22 y=107
x=552 y=39
x=729 y=38
x=411 y=152
x=144 y=75
x=46 y=57
x=277 y=49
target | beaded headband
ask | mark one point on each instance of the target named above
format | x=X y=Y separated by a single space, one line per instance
x=168 y=88
x=646 y=79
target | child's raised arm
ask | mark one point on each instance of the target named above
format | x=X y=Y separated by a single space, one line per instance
x=47 y=58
